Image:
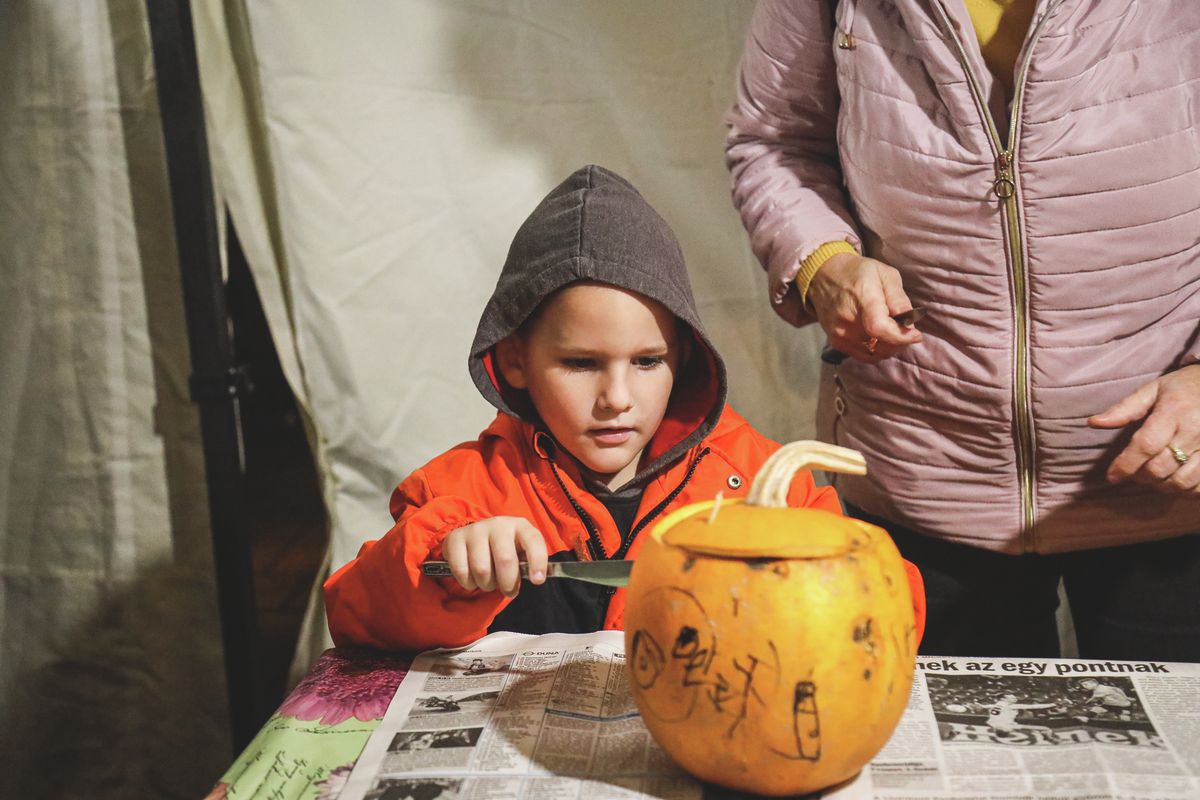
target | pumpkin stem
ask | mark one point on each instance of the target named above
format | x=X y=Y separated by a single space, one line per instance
x=770 y=486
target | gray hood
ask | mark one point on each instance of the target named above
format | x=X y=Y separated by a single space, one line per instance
x=596 y=226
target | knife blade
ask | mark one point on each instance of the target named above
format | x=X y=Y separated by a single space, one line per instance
x=604 y=573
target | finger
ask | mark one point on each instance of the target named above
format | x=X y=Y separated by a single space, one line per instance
x=505 y=564
x=848 y=339
x=868 y=351
x=454 y=550
x=1147 y=444
x=897 y=302
x=479 y=557
x=1187 y=478
x=1158 y=470
x=892 y=286
x=533 y=550
x=889 y=332
x=1129 y=409
x=874 y=315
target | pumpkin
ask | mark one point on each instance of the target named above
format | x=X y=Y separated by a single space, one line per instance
x=771 y=649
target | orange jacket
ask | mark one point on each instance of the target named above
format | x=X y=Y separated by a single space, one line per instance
x=380 y=598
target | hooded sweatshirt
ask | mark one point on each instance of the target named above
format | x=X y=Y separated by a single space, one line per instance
x=594 y=226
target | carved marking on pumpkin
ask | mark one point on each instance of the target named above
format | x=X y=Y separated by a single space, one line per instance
x=672 y=695
x=646 y=658
x=728 y=691
x=748 y=691
x=806 y=723
x=696 y=659
x=866 y=635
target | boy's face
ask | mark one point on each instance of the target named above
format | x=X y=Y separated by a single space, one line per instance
x=598 y=363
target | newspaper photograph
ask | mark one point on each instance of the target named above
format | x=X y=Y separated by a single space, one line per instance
x=516 y=716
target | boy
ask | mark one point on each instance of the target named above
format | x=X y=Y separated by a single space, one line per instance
x=612 y=413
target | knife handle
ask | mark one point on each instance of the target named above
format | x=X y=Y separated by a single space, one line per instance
x=441 y=569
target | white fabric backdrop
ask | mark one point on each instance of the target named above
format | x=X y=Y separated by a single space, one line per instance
x=406 y=141
x=111 y=677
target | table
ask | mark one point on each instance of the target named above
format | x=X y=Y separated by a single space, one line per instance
x=306 y=750
x=1142 y=714
x=307 y=747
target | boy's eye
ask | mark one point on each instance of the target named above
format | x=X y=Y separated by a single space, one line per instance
x=648 y=362
x=579 y=363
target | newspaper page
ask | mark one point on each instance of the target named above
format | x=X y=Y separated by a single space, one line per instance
x=1031 y=729
x=515 y=716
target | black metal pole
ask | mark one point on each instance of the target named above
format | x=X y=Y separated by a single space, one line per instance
x=216 y=381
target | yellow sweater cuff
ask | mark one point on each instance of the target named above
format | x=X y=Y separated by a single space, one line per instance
x=810 y=265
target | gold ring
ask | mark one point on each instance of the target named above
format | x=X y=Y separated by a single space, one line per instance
x=874 y=341
x=1179 y=456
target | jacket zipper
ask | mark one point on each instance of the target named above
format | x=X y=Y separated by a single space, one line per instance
x=654 y=512
x=658 y=509
x=1005 y=187
x=594 y=545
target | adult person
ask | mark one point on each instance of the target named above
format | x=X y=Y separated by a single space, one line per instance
x=1029 y=175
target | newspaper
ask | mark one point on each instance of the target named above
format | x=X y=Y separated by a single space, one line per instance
x=515 y=716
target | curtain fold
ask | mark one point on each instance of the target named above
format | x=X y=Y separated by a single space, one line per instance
x=111 y=676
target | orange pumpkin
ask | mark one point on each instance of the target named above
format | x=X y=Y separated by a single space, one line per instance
x=771 y=649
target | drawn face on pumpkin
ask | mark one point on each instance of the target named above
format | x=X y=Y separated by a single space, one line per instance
x=599 y=363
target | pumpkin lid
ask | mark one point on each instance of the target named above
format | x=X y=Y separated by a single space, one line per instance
x=739 y=530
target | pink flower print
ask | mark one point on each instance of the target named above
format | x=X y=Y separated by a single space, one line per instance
x=346 y=682
x=332 y=786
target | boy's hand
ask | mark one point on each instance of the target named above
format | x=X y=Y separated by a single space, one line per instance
x=486 y=555
x=855 y=299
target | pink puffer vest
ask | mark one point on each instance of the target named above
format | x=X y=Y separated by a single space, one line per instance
x=1060 y=274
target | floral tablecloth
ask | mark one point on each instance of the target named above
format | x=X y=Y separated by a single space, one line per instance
x=307 y=747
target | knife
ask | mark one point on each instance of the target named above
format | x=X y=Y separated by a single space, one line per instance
x=905 y=319
x=605 y=573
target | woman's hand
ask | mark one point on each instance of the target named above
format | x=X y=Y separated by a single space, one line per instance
x=484 y=554
x=855 y=298
x=1165 y=451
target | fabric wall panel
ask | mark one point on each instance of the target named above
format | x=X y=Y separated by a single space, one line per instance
x=408 y=140
x=111 y=677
